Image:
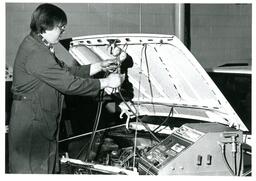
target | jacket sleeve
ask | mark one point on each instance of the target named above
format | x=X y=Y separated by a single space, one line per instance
x=80 y=71
x=42 y=65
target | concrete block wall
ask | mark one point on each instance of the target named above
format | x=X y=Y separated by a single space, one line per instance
x=91 y=18
x=218 y=32
x=221 y=33
x=17 y=27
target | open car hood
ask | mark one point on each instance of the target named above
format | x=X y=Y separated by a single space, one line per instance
x=167 y=80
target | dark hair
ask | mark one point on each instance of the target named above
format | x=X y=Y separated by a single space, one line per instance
x=46 y=17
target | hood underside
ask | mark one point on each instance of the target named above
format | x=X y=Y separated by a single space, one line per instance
x=166 y=78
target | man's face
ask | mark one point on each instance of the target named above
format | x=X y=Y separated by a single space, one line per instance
x=53 y=36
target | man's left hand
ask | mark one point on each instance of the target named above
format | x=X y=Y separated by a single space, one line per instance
x=109 y=65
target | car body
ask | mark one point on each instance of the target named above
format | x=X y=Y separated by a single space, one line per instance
x=166 y=96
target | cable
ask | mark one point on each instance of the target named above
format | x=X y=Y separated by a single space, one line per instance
x=235 y=169
x=166 y=119
x=85 y=134
x=149 y=81
x=81 y=150
x=240 y=160
x=222 y=145
x=97 y=119
x=135 y=143
x=96 y=123
x=161 y=129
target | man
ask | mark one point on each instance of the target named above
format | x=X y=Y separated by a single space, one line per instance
x=39 y=82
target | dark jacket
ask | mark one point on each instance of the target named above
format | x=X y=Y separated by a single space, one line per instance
x=34 y=120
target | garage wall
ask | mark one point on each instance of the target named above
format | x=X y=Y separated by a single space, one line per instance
x=221 y=33
x=218 y=32
x=87 y=19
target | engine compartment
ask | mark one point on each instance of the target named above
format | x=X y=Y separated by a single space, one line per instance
x=190 y=148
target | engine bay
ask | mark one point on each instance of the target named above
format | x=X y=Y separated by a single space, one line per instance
x=190 y=149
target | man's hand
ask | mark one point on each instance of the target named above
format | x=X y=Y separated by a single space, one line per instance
x=109 y=65
x=112 y=81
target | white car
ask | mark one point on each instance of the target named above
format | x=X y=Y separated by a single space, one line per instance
x=174 y=120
